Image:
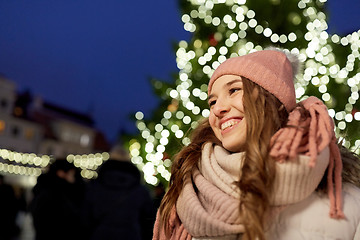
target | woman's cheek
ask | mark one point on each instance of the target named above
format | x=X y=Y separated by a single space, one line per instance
x=212 y=121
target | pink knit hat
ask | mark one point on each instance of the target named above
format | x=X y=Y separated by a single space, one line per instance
x=271 y=69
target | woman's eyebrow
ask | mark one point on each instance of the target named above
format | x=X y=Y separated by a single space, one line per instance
x=210 y=96
x=233 y=81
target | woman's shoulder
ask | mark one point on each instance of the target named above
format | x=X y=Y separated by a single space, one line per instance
x=310 y=218
x=351 y=197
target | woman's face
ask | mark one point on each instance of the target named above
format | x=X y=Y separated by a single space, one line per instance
x=227 y=112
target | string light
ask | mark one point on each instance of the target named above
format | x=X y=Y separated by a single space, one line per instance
x=30 y=164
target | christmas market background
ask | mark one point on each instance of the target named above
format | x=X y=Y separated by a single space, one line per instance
x=217 y=30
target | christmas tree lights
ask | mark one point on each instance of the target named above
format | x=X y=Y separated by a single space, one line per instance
x=224 y=29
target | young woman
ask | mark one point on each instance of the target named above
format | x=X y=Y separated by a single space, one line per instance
x=256 y=167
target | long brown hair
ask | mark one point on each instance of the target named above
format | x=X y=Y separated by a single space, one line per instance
x=265 y=115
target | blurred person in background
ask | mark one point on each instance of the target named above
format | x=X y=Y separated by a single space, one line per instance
x=56 y=203
x=117 y=205
x=159 y=192
x=9 y=209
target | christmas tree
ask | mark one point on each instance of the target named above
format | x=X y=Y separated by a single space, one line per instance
x=225 y=28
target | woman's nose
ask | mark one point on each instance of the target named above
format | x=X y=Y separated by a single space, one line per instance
x=221 y=107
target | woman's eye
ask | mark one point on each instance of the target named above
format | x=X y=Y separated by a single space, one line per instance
x=233 y=90
x=212 y=103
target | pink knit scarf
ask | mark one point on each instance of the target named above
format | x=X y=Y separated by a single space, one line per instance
x=211 y=208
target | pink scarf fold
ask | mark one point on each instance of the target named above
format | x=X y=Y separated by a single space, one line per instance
x=310 y=136
x=208 y=205
x=178 y=232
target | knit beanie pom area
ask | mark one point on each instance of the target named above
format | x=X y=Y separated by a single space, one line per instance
x=293 y=59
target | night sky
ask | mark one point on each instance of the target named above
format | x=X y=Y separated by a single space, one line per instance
x=97 y=56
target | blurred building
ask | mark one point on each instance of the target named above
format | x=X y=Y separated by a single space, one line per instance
x=16 y=133
x=28 y=124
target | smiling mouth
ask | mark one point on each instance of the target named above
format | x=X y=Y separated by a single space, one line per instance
x=229 y=124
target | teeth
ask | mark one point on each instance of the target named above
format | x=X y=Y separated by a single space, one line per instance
x=228 y=124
